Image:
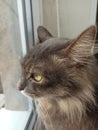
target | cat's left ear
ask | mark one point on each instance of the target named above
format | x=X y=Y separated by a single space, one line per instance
x=43 y=34
x=81 y=48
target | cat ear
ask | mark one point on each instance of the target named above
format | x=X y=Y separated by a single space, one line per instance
x=43 y=34
x=81 y=48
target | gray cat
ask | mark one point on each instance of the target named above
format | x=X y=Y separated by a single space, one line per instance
x=62 y=75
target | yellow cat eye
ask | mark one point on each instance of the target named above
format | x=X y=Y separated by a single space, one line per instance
x=37 y=77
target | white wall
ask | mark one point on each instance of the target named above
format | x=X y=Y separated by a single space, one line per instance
x=74 y=16
x=50 y=15
x=68 y=18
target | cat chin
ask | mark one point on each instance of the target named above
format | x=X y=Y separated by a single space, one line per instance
x=28 y=95
x=34 y=96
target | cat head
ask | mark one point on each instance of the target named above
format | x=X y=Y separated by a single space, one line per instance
x=56 y=67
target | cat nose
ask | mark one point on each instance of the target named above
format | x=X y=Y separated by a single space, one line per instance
x=21 y=84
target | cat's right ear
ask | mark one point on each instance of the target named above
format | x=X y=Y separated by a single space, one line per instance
x=43 y=34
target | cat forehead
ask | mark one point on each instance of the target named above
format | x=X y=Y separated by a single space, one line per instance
x=43 y=50
x=50 y=46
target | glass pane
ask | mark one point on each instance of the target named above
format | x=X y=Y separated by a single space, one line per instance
x=10 y=55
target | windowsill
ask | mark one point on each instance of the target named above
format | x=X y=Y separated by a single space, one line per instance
x=14 y=120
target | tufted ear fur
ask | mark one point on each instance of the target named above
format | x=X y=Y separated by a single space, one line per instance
x=43 y=34
x=80 y=49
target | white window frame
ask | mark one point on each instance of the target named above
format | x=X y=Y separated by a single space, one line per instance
x=93 y=12
x=26 y=24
